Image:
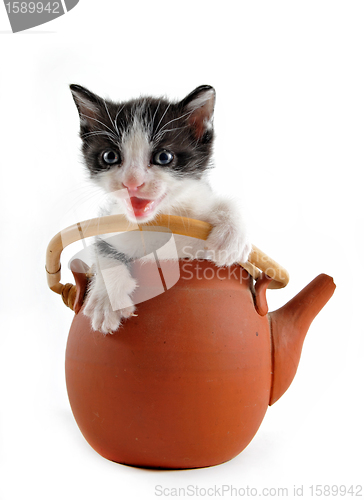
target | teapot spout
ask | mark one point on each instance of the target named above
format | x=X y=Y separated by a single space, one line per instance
x=289 y=326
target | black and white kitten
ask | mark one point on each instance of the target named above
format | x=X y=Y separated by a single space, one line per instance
x=151 y=155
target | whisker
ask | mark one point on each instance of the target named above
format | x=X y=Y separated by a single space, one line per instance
x=155 y=112
x=98 y=132
x=164 y=114
x=86 y=196
x=112 y=122
x=117 y=116
x=98 y=121
x=174 y=119
x=111 y=136
x=162 y=132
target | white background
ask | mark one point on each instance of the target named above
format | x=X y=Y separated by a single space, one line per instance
x=289 y=121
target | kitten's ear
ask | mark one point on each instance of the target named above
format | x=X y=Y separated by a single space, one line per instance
x=88 y=105
x=200 y=104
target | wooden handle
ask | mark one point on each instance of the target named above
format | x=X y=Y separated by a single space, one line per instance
x=258 y=260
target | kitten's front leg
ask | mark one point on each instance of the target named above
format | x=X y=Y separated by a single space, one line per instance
x=228 y=241
x=108 y=300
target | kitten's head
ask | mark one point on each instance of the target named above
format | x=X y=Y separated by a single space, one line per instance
x=149 y=148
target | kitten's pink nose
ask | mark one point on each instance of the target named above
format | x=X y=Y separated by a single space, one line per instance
x=133 y=185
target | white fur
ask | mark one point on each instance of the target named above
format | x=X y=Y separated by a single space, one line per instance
x=205 y=100
x=101 y=301
x=136 y=170
x=227 y=243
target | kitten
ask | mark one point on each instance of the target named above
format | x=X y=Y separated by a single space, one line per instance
x=152 y=156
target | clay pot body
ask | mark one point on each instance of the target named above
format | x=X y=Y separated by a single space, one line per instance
x=187 y=382
x=184 y=384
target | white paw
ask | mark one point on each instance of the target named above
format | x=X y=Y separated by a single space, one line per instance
x=105 y=318
x=228 y=246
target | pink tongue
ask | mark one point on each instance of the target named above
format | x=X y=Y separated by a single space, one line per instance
x=139 y=205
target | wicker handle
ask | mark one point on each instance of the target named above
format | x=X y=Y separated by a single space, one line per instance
x=258 y=260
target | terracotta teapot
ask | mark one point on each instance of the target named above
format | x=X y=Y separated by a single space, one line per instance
x=187 y=382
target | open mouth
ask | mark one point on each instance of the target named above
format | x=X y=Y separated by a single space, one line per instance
x=141 y=207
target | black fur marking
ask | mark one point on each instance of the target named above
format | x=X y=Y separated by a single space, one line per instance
x=105 y=248
x=166 y=124
x=195 y=93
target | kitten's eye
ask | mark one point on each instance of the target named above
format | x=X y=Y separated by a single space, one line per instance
x=162 y=158
x=111 y=157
